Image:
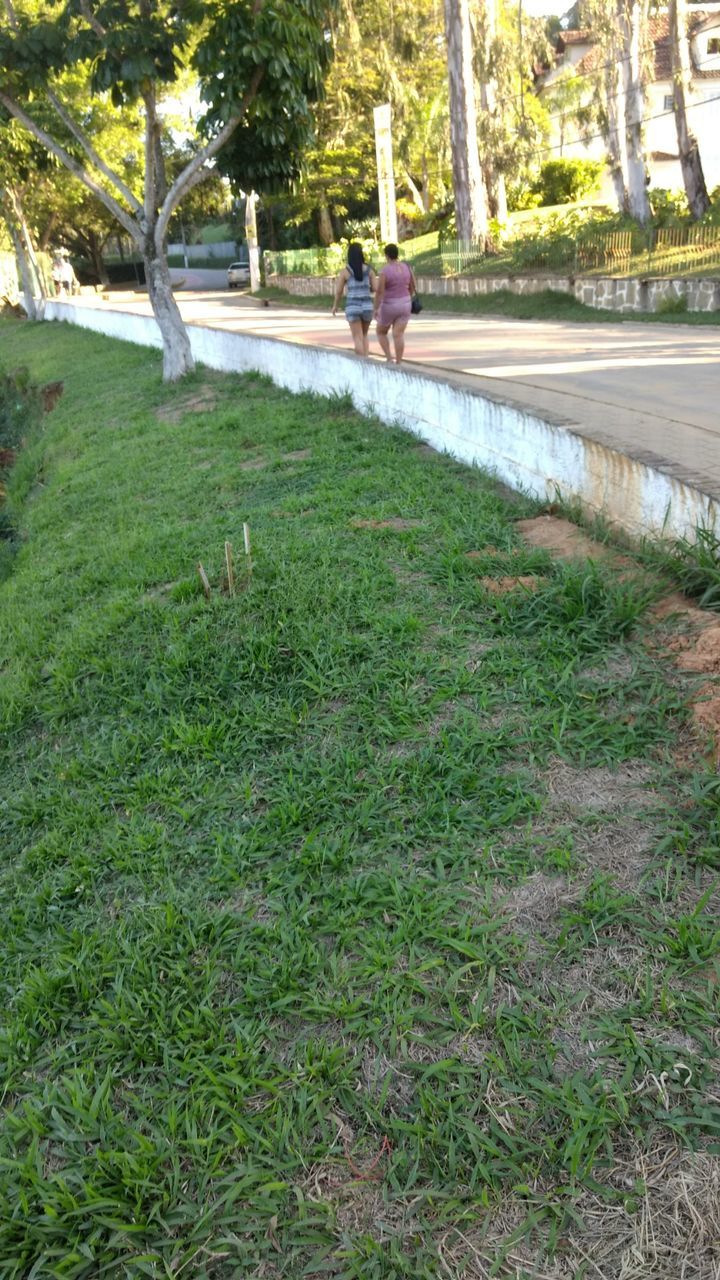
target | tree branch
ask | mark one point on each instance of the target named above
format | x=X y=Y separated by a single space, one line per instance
x=92 y=21
x=125 y=219
x=96 y=161
x=193 y=172
x=150 y=175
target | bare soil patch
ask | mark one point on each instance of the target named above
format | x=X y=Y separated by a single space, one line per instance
x=297 y=455
x=201 y=400
x=600 y=790
x=622 y=848
x=253 y=464
x=704 y=654
x=396 y=522
x=536 y=902
x=564 y=540
x=501 y=586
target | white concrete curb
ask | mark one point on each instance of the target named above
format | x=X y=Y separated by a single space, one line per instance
x=527 y=452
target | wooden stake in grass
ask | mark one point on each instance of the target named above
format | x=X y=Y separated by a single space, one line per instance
x=205 y=581
x=246 y=536
x=229 y=568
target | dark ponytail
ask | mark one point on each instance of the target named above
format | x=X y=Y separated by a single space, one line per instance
x=356 y=260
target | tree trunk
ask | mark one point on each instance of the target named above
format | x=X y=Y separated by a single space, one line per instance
x=415 y=192
x=24 y=272
x=616 y=140
x=326 y=231
x=251 y=236
x=471 y=213
x=690 y=162
x=177 y=354
x=631 y=14
x=96 y=257
x=31 y=282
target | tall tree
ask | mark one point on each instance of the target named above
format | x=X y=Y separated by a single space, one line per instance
x=632 y=25
x=259 y=63
x=471 y=204
x=688 y=149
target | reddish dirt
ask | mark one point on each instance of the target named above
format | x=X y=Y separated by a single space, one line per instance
x=706 y=716
x=564 y=540
x=501 y=586
x=51 y=393
x=395 y=523
x=704 y=656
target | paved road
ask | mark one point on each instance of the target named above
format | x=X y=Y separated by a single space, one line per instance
x=646 y=389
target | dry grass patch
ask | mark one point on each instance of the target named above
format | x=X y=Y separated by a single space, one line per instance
x=501 y=586
x=202 y=400
x=398 y=523
x=600 y=789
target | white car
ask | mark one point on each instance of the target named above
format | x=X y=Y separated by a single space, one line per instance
x=238 y=274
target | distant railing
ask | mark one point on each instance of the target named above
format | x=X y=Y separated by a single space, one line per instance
x=668 y=251
x=304 y=262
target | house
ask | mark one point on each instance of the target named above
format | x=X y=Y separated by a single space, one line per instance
x=578 y=71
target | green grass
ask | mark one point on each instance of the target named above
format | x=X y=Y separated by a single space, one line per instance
x=363 y=924
x=547 y=305
x=216 y=234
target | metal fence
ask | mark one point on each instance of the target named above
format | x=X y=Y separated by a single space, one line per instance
x=305 y=262
x=687 y=250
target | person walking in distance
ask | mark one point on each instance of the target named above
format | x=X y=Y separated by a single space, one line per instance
x=358 y=279
x=393 y=303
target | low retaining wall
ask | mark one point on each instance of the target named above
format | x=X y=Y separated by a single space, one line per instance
x=608 y=293
x=527 y=452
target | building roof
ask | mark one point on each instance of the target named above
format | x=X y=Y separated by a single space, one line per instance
x=574 y=37
x=659 y=32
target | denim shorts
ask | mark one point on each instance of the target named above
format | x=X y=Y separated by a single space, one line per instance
x=353 y=314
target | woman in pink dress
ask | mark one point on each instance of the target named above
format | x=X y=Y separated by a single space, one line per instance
x=393 y=297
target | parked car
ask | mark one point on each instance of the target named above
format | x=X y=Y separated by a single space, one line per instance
x=238 y=274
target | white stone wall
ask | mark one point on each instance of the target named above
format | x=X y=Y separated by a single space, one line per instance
x=524 y=450
x=609 y=293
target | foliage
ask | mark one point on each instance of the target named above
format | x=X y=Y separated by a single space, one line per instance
x=19 y=407
x=316 y=878
x=259 y=66
x=668 y=208
x=563 y=181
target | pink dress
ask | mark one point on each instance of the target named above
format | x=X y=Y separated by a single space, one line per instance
x=396 y=299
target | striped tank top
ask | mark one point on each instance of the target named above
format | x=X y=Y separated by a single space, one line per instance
x=358 y=291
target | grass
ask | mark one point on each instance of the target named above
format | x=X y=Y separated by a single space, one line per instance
x=549 y=304
x=363 y=924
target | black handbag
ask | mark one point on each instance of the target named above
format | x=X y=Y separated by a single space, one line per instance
x=416 y=305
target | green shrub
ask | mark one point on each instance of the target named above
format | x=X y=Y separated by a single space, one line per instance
x=672 y=306
x=669 y=208
x=564 y=181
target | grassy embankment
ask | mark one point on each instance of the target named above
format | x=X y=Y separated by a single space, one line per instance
x=361 y=924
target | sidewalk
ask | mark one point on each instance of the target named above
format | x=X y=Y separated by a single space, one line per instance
x=651 y=392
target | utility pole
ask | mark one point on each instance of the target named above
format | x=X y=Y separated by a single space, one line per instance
x=252 y=240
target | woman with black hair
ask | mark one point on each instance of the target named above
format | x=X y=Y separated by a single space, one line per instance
x=358 y=279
